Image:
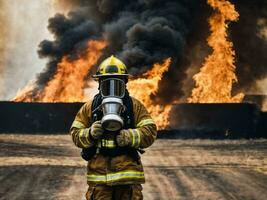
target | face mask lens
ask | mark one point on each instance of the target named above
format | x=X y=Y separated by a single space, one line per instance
x=105 y=88
x=112 y=88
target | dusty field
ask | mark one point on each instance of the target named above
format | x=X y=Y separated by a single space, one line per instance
x=34 y=167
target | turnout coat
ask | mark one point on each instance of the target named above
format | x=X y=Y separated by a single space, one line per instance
x=114 y=170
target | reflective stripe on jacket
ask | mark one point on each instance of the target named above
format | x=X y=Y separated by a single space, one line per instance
x=122 y=169
x=112 y=177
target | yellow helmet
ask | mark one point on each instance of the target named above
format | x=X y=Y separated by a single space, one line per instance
x=111 y=66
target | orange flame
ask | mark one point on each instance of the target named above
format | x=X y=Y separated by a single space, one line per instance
x=25 y=95
x=69 y=80
x=143 y=88
x=68 y=84
x=216 y=77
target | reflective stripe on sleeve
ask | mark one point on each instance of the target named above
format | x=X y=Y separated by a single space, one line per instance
x=78 y=124
x=145 y=122
x=84 y=137
x=135 y=137
x=115 y=176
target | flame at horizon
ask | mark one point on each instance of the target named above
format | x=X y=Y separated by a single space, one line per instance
x=215 y=80
x=143 y=88
x=69 y=81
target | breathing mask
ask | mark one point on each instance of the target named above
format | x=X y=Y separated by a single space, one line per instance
x=112 y=91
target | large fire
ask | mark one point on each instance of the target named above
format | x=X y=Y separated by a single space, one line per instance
x=68 y=84
x=143 y=88
x=69 y=81
x=215 y=80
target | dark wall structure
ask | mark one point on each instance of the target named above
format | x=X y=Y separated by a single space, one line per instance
x=19 y=117
x=243 y=120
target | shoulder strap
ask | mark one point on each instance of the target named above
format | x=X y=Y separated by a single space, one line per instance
x=128 y=115
x=88 y=153
x=95 y=109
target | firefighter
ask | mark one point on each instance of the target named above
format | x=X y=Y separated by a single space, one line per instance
x=112 y=131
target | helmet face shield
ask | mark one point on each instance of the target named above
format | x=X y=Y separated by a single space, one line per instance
x=112 y=87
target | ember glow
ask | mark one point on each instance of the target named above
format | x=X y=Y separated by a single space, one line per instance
x=216 y=77
x=70 y=79
x=143 y=88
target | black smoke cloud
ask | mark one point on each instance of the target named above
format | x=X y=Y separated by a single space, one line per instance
x=140 y=32
x=143 y=32
x=250 y=46
x=249 y=43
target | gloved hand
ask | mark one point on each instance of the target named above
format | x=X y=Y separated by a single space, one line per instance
x=96 y=130
x=124 y=138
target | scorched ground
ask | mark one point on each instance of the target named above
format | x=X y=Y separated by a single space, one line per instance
x=36 y=167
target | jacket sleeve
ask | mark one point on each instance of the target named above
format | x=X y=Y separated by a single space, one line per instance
x=81 y=126
x=146 y=130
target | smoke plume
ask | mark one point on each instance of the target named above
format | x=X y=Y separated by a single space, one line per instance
x=250 y=43
x=140 y=32
x=249 y=37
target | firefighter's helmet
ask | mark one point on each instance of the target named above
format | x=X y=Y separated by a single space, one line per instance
x=111 y=66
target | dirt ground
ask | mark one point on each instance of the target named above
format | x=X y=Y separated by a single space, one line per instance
x=39 y=167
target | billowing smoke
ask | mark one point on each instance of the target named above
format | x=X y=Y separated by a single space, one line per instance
x=250 y=40
x=140 y=32
x=249 y=36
